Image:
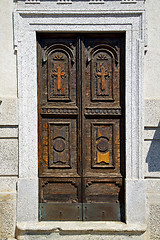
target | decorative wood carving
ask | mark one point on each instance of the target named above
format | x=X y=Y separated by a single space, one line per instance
x=59 y=148
x=59 y=75
x=49 y=50
x=102 y=71
x=59 y=145
x=101 y=111
x=102 y=190
x=104 y=47
x=103 y=74
x=59 y=111
x=60 y=190
x=102 y=145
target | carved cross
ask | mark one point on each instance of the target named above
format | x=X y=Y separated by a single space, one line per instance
x=103 y=74
x=59 y=75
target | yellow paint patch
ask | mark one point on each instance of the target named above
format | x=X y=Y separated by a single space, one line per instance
x=103 y=157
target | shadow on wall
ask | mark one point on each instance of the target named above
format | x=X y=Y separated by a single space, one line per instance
x=152 y=140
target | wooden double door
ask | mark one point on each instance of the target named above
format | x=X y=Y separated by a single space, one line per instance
x=81 y=126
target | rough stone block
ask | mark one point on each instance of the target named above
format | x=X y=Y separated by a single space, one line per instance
x=151 y=118
x=9 y=111
x=152 y=133
x=8 y=184
x=151 y=152
x=153 y=186
x=9 y=131
x=7 y=215
x=9 y=157
x=153 y=208
x=154 y=221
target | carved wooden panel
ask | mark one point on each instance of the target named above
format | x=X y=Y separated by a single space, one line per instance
x=58 y=148
x=102 y=145
x=102 y=189
x=59 y=111
x=58 y=69
x=59 y=75
x=59 y=145
x=102 y=111
x=102 y=75
x=56 y=190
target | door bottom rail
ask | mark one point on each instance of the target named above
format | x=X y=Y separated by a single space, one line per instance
x=79 y=212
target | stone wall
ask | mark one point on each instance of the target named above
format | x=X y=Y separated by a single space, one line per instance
x=9 y=122
x=152 y=119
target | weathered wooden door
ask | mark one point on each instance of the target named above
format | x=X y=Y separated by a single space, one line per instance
x=81 y=126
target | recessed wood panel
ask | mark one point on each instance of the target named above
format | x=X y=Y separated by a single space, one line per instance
x=102 y=75
x=58 y=70
x=59 y=150
x=59 y=65
x=102 y=145
x=102 y=189
x=102 y=148
x=60 y=190
x=59 y=145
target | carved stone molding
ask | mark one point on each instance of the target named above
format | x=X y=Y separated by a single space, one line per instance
x=89 y=1
x=32 y=1
x=129 y=1
x=64 y=2
x=96 y=1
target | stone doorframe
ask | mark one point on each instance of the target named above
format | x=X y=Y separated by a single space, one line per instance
x=79 y=16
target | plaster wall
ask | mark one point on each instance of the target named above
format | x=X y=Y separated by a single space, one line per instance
x=8 y=83
x=8 y=122
x=152 y=119
x=9 y=125
x=152 y=73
